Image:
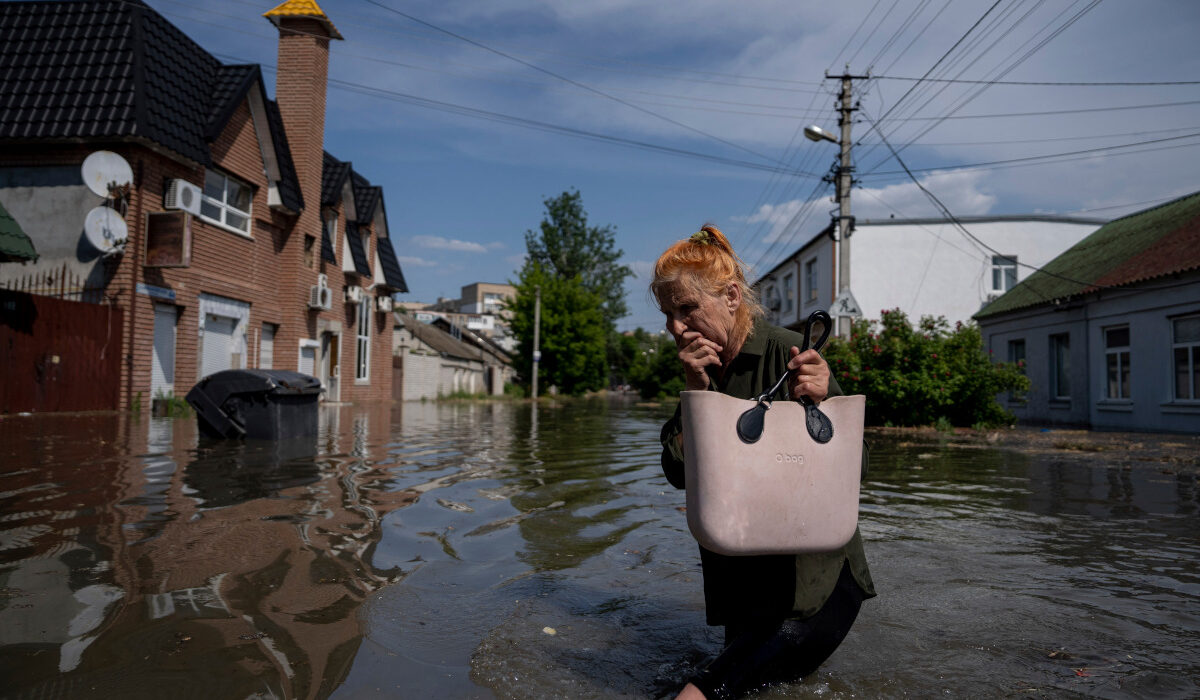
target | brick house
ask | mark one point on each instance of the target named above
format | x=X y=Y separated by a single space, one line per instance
x=284 y=260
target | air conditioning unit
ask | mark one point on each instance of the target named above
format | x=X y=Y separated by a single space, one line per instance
x=320 y=296
x=383 y=304
x=354 y=294
x=182 y=194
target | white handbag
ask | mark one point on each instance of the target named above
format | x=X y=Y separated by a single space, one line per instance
x=766 y=477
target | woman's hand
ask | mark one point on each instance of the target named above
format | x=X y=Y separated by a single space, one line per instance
x=813 y=378
x=697 y=352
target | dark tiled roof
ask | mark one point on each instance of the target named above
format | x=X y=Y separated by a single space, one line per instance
x=228 y=88
x=15 y=245
x=392 y=275
x=289 y=183
x=333 y=177
x=366 y=197
x=109 y=69
x=356 y=249
x=1149 y=244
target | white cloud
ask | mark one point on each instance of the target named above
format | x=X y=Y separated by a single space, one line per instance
x=441 y=243
x=415 y=262
x=643 y=270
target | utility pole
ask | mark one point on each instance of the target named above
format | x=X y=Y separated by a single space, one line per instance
x=845 y=178
x=844 y=308
x=537 y=327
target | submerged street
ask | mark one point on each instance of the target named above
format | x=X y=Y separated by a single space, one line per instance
x=498 y=549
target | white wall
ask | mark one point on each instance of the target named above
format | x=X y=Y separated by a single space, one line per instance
x=934 y=269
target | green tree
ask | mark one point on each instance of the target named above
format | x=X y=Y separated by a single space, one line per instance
x=566 y=247
x=916 y=376
x=656 y=370
x=573 y=333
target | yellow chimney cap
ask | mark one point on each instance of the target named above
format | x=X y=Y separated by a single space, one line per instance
x=302 y=8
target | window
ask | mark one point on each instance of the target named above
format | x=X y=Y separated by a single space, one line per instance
x=310 y=258
x=1185 y=345
x=810 y=280
x=1016 y=355
x=789 y=291
x=266 y=346
x=362 y=361
x=1116 y=356
x=1004 y=273
x=1060 y=366
x=226 y=202
x=771 y=297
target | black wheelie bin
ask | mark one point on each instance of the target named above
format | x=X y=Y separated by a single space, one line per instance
x=260 y=404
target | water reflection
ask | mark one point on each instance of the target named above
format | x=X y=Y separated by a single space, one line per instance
x=506 y=550
x=237 y=565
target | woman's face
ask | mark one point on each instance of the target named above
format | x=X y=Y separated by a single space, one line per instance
x=690 y=311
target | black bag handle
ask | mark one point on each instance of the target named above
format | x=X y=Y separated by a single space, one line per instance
x=820 y=428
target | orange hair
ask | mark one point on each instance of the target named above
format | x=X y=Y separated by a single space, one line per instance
x=706 y=263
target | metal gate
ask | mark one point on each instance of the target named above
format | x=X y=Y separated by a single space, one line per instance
x=58 y=355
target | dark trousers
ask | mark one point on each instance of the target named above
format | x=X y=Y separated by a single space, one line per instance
x=758 y=653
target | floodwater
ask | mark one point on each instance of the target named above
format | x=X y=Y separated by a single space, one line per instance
x=478 y=550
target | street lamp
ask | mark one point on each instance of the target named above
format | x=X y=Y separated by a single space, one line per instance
x=816 y=133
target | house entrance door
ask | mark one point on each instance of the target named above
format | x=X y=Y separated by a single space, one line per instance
x=331 y=365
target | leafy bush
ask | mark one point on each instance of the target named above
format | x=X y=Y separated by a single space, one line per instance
x=916 y=376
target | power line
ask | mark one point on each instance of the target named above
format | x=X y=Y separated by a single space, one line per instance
x=576 y=83
x=463 y=110
x=958 y=224
x=1012 y=65
x=1132 y=83
x=1047 y=113
x=1065 y=154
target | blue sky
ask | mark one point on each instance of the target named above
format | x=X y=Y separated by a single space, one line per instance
x=683 y=113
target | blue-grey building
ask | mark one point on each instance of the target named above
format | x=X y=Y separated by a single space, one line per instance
x=1109 y=332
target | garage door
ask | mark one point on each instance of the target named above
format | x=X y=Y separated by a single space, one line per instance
x=217 y=344
x=162 y=365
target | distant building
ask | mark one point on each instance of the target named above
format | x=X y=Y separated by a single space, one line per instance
x=435 y=359
x=481 y=309
x=924 y=267
x=1109 y=331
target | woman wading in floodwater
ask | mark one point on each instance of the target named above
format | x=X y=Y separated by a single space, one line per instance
x=783 y=614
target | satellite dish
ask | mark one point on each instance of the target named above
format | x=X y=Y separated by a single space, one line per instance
x=105 y=230
x=104 y=168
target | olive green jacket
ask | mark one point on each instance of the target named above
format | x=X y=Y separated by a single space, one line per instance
x=740 y=588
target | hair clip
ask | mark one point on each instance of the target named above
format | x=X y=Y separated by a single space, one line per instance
x=701 y=237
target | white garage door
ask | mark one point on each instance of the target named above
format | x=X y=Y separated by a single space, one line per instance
x=218 y=344
x=162 y=364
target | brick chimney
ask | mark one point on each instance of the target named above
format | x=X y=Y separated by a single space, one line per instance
x=300 y=81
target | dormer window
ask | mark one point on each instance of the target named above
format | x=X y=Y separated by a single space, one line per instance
x=226 y=202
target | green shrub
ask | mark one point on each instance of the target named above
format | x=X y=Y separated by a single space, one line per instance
x=916 y=376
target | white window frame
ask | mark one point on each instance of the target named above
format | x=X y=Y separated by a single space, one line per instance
x=1191 y=349
x=810 y=281
x=1057 y=371
x=1004 y=267
x=362 y=355
x=1119 y=353
x=331 y=226
x=222 y=204
x=789 y=291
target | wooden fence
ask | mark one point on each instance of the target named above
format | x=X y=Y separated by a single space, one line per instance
x=58 y=355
